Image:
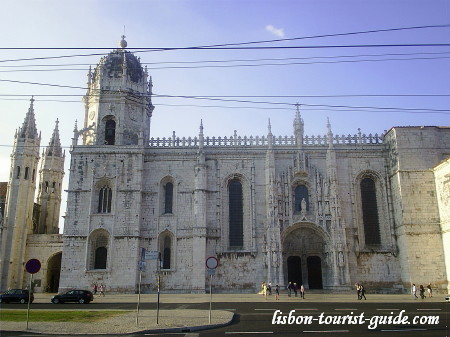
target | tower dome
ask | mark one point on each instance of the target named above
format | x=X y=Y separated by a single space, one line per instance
x=112 y=66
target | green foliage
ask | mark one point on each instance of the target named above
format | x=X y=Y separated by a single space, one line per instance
x=84 y=316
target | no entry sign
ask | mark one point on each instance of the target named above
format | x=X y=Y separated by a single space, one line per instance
x=33 y=266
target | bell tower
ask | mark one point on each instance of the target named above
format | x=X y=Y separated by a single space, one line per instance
x=118 y=105
x=50 y=178
x=19 y=202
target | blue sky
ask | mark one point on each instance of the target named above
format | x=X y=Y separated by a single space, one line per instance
x=422 y=70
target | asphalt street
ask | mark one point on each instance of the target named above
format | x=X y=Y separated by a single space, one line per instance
x=300 y=318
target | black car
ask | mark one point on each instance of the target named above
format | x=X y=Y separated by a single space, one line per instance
x=80 y=296
x=16 y=295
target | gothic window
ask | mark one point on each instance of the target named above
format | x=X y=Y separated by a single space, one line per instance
x=98 y=249
x=53 y=187
x=370 y=211
x=27 y=172
x=101 y=254
x=300 y=193
x=46 y=187
x=104 y=200
x=165 y=248
x=168 y=197
x=18 y=172
x=110 y=132
x=166 y=253
x=34 y=175
x=236 y=214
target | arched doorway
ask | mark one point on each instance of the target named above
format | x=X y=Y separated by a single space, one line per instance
x=314 y=264
x=304 y=256
x=53 y=272
x=294 y=264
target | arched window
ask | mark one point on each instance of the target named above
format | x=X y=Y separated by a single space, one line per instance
x=110 y=132
x=27 y=172
x=167 y=249
x=300 y=193
x=104 y=200
x=18 y=172
x=236 y=214
x=101 y=254
x=168 y=198
x=370 y=211
x=98 y=250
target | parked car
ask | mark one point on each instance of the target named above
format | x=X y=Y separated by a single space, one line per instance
x=16 y=295
x=447 y=298
x=80 y=296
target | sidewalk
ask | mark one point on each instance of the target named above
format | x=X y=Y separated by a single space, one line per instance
x=181 y=319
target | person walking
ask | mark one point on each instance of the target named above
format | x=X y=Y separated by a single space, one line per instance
x=422 y=291
x=277 y=293
x=414 y=291
x=94 y=288
x=269 y=288
x=289 y=288
x=429 y=290
x=358 y=290
x=101 y=289
x=295 y=288
x=302 y=291
x=362 y=292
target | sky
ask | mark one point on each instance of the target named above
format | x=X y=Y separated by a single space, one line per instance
x=331 y=63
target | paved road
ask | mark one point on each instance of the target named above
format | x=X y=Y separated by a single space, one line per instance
x=256 y=318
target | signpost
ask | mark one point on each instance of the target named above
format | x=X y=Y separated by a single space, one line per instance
x=211 y=264
x=32 y=266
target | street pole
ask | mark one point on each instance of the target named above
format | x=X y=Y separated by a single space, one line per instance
x=29 y=299
x=139 y=295
x=210 y=297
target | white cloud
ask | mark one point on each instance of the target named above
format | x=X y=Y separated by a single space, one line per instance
x=275 y=31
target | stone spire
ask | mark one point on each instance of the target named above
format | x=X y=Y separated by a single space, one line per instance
x=28 y=129
x=298 y=126
x=54 y=147
x=270 y=135
x=329 y=134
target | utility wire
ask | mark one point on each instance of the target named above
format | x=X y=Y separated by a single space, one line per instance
x=234 y=60
x=244 y=65
x=235 y=44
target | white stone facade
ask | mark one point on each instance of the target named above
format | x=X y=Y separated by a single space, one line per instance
x=325 y=211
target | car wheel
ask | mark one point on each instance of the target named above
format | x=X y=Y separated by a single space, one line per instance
x=1 y=300
x=55 y=300
x=81 y=300
x=22 y=301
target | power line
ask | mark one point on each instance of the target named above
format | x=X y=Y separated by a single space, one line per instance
x=234 y=44
x=246 y=65
x=235 y=60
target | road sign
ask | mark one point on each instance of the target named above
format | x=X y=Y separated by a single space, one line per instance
x=151 y=255
x=212 y=262
x=33 y=266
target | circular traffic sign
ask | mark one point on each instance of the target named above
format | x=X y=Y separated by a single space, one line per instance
x=212 y=262
x=33 y=266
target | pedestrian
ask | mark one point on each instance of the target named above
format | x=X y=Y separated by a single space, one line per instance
x=422 y=291
x=94 y=288
x=277 y=292
x=101 y=289
x=295 y=289
x=429 y=290
x=289 y=288
x=362 y=292
x=269 y=288
x=264 y=289
x=358 y=290
x=414 y=291
x=302 y=291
